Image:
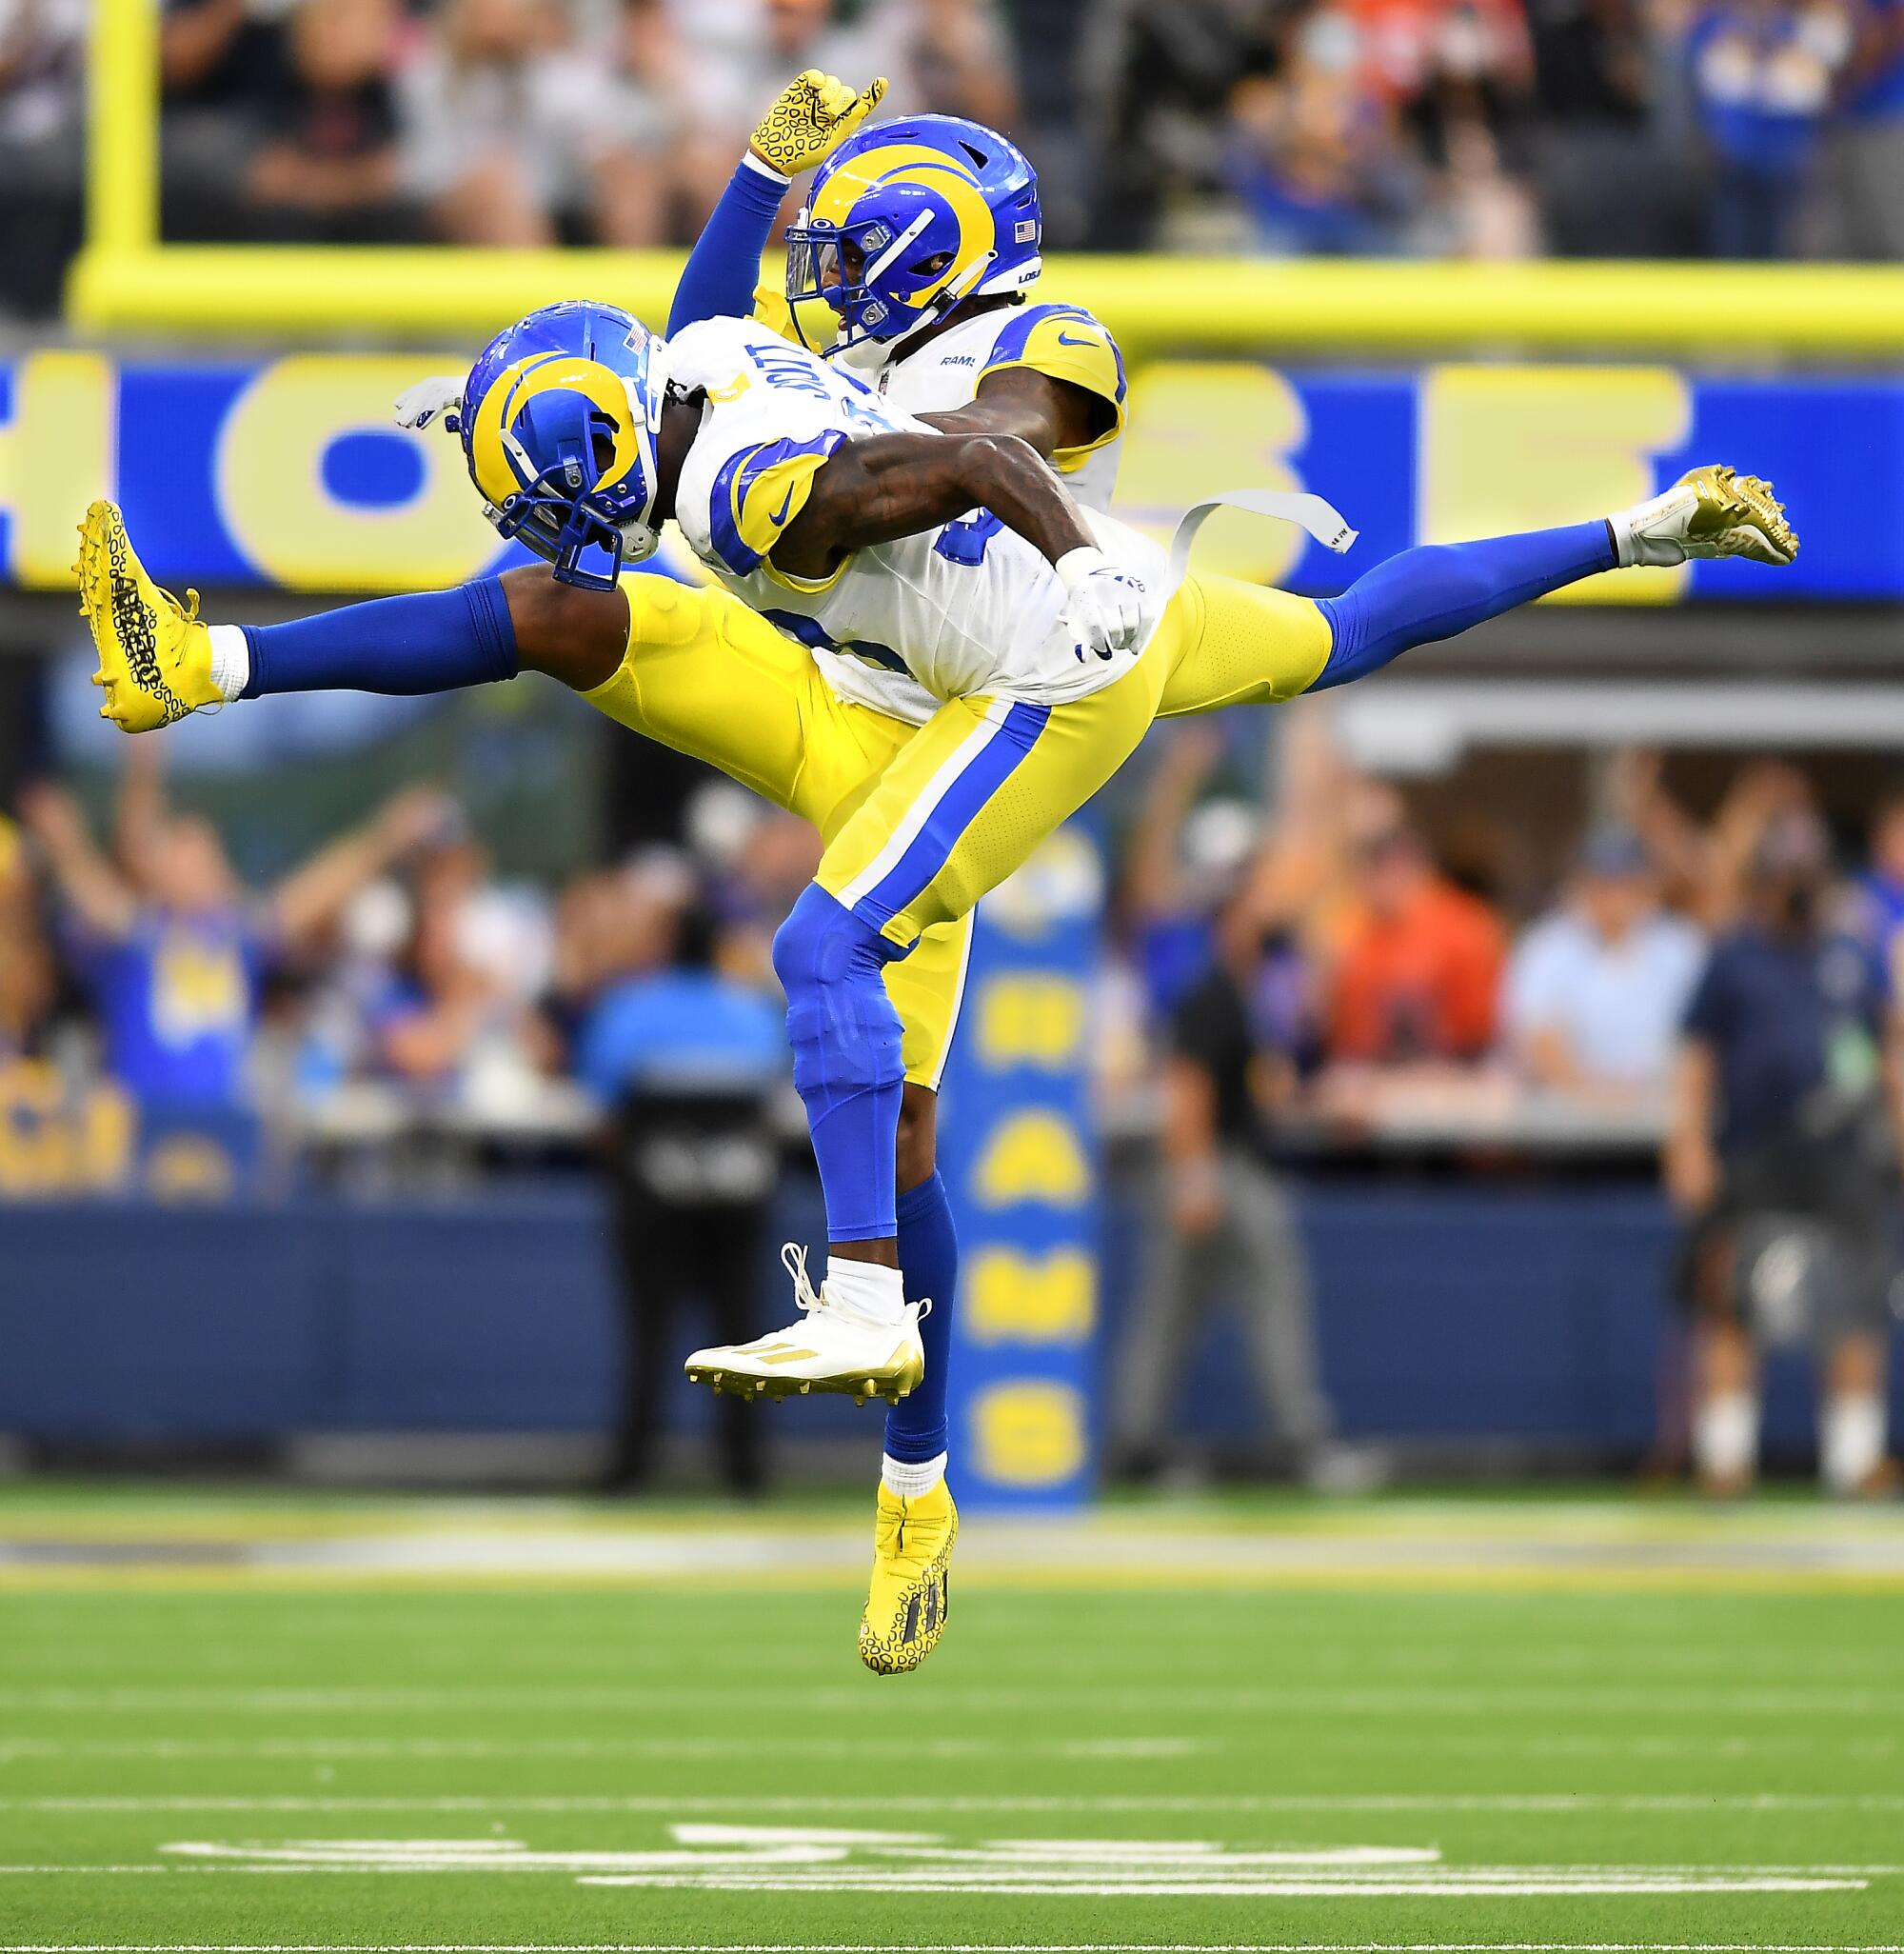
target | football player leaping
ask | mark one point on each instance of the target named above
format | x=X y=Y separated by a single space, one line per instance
x=1044 y=637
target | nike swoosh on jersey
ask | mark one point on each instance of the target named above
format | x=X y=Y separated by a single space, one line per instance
x=779 y=516
x=1065 y=339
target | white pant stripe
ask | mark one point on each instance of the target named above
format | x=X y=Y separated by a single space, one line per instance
x=922 y=810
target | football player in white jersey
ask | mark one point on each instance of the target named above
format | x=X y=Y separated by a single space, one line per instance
x=936 y=337
x=883 y=540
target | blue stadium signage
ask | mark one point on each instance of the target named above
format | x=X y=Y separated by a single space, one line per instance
x=287 y=473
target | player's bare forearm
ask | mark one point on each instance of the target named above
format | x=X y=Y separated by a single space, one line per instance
x=1048 y=412
x=896 y=485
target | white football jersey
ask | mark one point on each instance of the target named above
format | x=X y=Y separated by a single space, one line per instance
x=967 y=609
x=1064 y=341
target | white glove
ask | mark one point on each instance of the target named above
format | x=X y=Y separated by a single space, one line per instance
x=442 y=393
x=1104 y=612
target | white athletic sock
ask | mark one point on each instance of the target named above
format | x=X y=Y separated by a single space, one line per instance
x=866 y=1289
x=1725 y=1436
x=1850 y=1441
x=230 y=659
x=908 y=1478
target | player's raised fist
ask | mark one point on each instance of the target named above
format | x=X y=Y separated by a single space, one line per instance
x=814 y=114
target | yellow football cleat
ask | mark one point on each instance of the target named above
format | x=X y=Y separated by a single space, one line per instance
x=1709 y=511
x=912 y=1559
x=154 y=655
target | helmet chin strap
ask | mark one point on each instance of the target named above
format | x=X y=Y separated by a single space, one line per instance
x=640 y=537
x=954 y=295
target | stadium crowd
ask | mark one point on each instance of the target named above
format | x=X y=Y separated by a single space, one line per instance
x=1752 y=128
x=1339 y=972
x=1297 y=977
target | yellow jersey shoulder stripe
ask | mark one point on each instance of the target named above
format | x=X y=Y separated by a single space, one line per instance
x=758 y=491
x=1069 y=343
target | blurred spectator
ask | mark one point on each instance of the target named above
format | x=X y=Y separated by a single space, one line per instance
x=173 y=951
x=1603 y=151
x=509 y=127
x=1460 y=71
x=953 y=58
x=1877 y=910
x=1420 y=967
x=1456 y=60
x=687 y=1062
x=1313 y=126
x=1762 y=74
x=1155 y=77
x=1316 y=156
x=327 y=168
x=1860 y=213
x=42 y=45
x=456 y=1018
x=1183 y=857
x=60 y=1131
x=1786 y=1066
x=1706 y=868
x=29 y=979
x=281 y=120
x=755 y=860
x=1223 y=1231
x=1596 y=992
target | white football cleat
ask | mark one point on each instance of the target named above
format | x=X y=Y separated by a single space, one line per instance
x=1709 y=511
x=829 y=1349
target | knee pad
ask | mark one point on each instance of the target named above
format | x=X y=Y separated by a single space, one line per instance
x=837 y=1015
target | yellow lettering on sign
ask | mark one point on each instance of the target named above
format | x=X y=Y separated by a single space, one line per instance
x=1030 y=1299
x=53 y=1141
x=1033 y=1156
x=1198 y=425
x=1031 y=1020
x=1529 y=448
x=272 y=491
x=1029 y=1434
x=55 y=457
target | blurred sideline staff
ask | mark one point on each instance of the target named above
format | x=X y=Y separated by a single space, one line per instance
x=1775 y=1155
x=690 y=1057
x=1230 y=990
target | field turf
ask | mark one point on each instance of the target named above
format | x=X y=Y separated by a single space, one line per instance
x=247 y=1723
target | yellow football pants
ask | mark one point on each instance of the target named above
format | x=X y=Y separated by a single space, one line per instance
x=920 y=822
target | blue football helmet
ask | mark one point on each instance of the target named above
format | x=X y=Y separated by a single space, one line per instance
x=558 y=422
x=909 y=218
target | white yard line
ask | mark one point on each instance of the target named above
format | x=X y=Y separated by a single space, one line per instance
x=949 y=1948
x=1561 y=1803
x=1430 y=1701
x=320 y=1748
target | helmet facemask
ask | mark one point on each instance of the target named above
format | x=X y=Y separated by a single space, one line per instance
x=580 y=450
x=884 y=272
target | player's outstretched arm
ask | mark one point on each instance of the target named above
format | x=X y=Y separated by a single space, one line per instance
x=812 y=115
x=898 y=484
x=1050 y=413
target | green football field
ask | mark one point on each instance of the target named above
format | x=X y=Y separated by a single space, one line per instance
x=231 y=1722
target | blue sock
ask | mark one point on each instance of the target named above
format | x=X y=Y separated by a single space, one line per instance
x=846 y=1062
x=723 y=267
x=928 y=1258
x=1441 y=590
x=434 y=643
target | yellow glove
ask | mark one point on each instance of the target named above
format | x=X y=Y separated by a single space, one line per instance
x=815 y=112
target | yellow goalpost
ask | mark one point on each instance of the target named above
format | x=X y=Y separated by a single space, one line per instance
x=126 y=279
